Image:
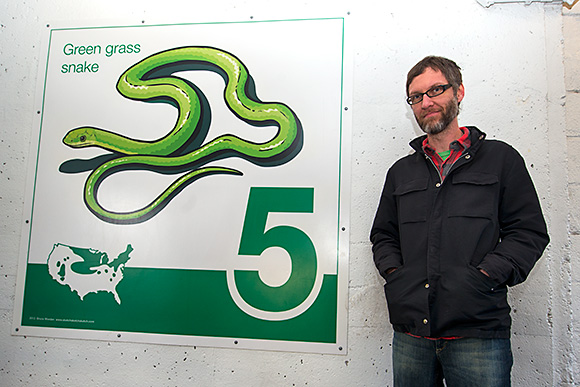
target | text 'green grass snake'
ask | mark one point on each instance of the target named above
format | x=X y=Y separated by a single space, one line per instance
x=150 y=80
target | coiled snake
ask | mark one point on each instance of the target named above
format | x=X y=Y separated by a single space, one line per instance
x=146 y=81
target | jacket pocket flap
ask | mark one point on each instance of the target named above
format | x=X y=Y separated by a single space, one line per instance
x=476 y=178
x=411 y=186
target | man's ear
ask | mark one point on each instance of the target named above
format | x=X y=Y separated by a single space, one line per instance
x=460 y=93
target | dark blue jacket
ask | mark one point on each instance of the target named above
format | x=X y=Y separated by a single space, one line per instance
x=484 y=215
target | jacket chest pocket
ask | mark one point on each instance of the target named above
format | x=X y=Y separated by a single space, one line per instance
x=412 y=201
x=474 y=195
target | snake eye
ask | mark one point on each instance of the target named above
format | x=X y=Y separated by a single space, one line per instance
x=83 y=138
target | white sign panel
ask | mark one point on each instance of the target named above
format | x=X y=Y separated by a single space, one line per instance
x=191 y=186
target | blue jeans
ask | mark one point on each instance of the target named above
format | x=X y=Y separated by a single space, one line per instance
x=419 y=362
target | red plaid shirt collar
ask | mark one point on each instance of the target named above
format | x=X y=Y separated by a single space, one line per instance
x=457 y=148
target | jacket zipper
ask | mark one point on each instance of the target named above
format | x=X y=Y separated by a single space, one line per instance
x=436 y=169
x=450 y=168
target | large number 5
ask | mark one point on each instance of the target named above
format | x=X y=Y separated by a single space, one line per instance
x=255 y=240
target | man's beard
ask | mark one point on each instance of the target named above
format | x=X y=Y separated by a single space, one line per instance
x=436 y=126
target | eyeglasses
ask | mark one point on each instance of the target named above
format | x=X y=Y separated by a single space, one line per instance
x=432 y=92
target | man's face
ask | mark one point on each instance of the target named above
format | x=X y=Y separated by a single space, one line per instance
x=435 y=114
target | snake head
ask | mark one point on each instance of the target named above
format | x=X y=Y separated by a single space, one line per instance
x=80 y=137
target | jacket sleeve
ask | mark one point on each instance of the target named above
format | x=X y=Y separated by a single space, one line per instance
x=385 y=230
x=523 y=234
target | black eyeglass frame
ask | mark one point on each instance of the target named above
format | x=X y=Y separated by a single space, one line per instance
x=429 y=94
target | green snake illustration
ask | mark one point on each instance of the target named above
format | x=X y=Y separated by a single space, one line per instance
x=133 y=84
x=144 y=81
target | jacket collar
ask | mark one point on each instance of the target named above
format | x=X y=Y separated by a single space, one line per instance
x=475 y=135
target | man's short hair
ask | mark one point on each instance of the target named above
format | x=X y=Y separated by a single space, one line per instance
x=449 y=68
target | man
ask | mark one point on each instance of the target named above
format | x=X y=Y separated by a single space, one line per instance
x=458 y=221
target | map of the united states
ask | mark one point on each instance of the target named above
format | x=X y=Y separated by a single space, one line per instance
x=87 y=270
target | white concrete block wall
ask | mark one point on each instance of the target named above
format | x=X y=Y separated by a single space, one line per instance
x=512 y=57
x=571 y=28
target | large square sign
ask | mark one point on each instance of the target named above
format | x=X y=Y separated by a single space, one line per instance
x=189 y=185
